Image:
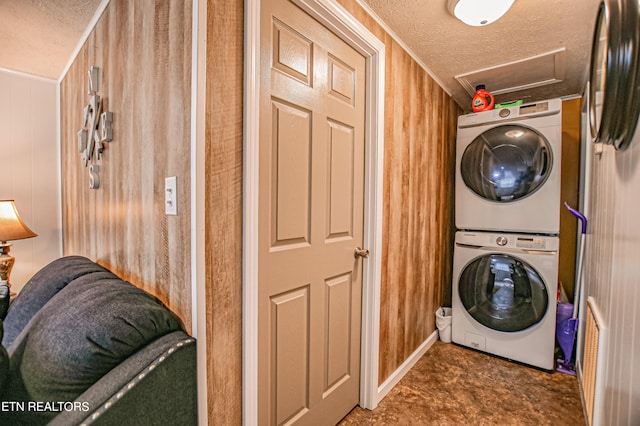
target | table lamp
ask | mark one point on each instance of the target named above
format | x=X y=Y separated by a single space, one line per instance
x=11 y=228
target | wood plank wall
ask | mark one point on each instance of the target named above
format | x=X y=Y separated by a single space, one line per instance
x=420 y=127
x=569 y=192
x=144 y=51
x=223 y=218
x=123 y=226
x=145 y=56
x=418 y=222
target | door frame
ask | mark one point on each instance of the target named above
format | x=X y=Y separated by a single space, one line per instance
x=335 y=18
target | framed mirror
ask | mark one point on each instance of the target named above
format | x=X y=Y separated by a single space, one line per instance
x=614 y=81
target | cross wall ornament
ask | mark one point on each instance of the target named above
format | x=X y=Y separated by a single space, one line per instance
x=96 y=129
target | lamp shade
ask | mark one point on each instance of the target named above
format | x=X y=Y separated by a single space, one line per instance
x=11 y=225
x=478 y=13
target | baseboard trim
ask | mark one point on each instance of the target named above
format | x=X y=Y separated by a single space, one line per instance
x=400 y=372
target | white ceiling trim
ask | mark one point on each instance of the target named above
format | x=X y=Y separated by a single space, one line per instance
x=27 y=75
x=402 y=44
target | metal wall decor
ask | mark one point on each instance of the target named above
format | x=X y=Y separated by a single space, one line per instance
x=96 y=129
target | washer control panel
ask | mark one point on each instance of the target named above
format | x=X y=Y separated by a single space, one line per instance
x=531 y=243
x=493 y=240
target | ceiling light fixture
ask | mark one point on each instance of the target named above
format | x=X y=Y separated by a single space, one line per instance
x=478 y=13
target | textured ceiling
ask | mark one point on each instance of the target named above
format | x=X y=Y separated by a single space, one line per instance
x=531 y=27
x=39 y=36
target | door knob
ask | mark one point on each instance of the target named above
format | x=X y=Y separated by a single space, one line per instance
x=361 y=252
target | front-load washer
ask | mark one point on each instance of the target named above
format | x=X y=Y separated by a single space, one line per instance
x=508 y=169
x=504 y=295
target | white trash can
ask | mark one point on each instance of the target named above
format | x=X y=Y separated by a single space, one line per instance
x=443 y=322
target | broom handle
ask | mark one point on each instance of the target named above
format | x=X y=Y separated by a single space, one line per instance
x=578 y=286
x=578 y=290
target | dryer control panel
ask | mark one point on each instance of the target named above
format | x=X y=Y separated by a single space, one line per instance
x=528 y=111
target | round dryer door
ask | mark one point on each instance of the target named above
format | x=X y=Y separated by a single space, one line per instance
x=506 y=163
x=503 y=293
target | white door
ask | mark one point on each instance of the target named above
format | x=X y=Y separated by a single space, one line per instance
x=312 y=110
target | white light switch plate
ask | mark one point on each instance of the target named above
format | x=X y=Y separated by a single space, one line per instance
x=171 y=196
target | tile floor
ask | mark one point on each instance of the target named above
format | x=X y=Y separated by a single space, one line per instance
x=453 y=385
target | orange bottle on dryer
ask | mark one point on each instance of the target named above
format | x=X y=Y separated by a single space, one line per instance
x=482 y=100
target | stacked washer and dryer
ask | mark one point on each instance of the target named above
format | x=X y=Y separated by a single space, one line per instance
x=505 y=267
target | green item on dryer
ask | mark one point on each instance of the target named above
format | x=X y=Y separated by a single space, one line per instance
x=509 y=104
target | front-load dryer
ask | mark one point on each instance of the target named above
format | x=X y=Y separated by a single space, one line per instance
x=504 y=295
x=508 y=169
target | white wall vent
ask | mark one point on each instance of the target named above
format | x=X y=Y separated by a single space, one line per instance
x=592 y=383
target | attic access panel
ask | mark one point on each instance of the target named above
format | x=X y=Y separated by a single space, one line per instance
x=535 y=71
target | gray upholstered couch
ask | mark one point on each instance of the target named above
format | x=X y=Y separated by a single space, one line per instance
x=86 y=347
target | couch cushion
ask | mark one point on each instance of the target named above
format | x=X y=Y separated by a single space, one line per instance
x=45 y=284
x=5 y=299
x=83 y=332
x=4 y=362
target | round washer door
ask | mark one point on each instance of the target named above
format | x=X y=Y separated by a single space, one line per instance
x=506 y=163
x=503 y=292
